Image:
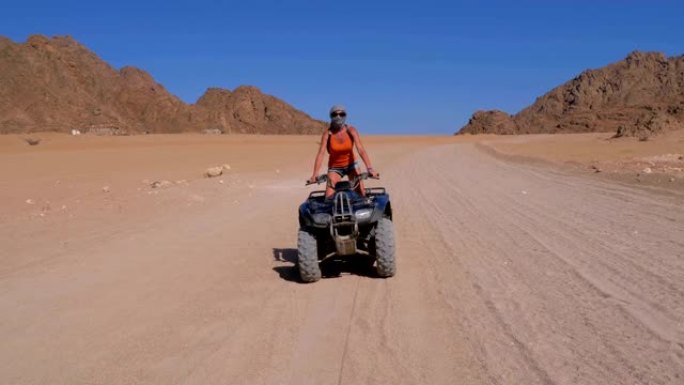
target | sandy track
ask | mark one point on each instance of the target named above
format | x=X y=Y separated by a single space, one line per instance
x=507 y=274
x=556 y=279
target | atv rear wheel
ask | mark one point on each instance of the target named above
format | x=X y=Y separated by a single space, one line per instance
x=307 y=257
x=385 y=249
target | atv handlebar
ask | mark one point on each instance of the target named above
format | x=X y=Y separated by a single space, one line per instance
x=324 y=178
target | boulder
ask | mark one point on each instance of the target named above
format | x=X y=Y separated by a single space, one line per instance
x=212 y=172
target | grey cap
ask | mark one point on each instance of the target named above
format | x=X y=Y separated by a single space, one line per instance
x=337 y=107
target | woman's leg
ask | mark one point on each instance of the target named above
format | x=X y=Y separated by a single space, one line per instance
x=360 y=189
x=333 y=178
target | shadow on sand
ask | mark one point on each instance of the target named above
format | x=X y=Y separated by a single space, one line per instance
x=361 y=265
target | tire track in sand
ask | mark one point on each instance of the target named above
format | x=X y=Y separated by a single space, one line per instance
x=525 y=240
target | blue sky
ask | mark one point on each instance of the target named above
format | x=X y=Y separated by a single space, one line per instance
x=400 y=67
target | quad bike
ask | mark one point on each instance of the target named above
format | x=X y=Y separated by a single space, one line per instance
x=348 y=225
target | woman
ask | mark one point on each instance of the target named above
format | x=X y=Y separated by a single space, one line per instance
x=339 y=139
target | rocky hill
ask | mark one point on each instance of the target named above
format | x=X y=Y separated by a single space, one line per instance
x=247 y=110
x=57 y=84
x=639 y=96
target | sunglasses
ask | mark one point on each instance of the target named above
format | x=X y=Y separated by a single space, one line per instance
x=334 y=114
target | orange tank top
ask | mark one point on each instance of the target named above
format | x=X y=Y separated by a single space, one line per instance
x=340 y=148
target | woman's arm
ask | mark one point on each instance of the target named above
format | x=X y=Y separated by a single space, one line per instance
x=319 y=156
x=362 y=151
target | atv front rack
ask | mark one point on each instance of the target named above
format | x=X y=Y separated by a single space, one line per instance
x=370 y=191
x=343 y=227
x=317 y=194
x=375 y=191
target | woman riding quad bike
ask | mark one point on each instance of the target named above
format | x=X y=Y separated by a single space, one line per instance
x=345 y=220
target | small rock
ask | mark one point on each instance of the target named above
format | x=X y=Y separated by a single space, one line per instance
x=225 y=167
x=181 y=181
x=32 y=141
x=213 y=172
x=277 y=171
x=647 y=170
x=30 y=201
x=221 y=181
x=672 y=179
x=160 y=183
x=523 y=192
x=105 y=189
x=595 y=168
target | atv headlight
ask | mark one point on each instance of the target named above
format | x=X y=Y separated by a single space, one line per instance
x=321 y=219
x=363 y=214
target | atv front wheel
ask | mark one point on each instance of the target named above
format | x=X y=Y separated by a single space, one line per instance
x=307 y=257
x=385 y=249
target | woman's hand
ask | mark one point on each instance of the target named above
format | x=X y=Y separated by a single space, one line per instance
x=313 y=179
x=372 y=172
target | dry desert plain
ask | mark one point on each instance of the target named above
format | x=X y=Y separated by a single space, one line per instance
x=518 y=263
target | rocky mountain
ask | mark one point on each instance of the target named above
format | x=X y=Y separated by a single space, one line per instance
x=57 y=84
x=638 y=96
x=247 y=110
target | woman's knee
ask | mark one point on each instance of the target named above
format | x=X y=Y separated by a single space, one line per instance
x=333 y=178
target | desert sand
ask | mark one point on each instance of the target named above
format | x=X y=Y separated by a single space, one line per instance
x=657 y=163
x=518 y=263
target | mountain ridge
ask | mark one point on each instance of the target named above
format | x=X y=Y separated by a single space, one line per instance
x=641 y=95
x=58 y=84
